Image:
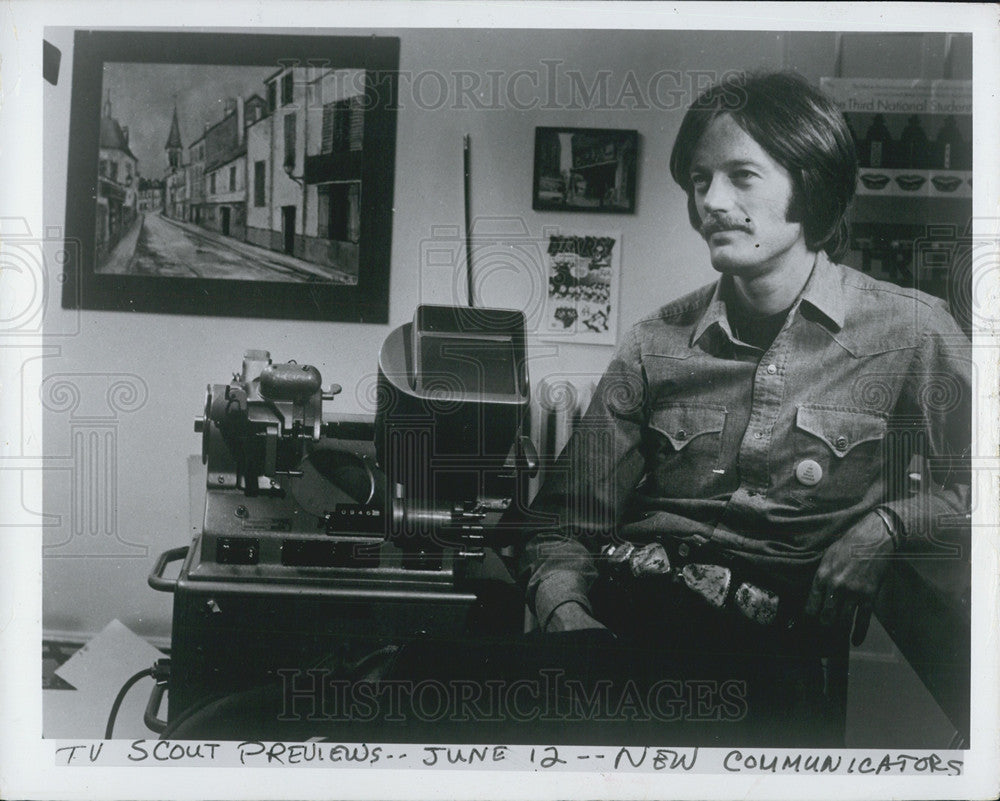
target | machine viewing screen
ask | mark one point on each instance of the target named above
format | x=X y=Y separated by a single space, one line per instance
x=478 y=365
x=468 y=352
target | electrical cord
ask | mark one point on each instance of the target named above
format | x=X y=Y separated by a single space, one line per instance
x=109 y=729
x=159 y=671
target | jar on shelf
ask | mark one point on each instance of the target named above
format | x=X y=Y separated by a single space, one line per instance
x=951 y=151
x=877 y=148
x=914 y=148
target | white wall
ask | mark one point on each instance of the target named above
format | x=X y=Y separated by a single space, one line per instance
x=89 y=580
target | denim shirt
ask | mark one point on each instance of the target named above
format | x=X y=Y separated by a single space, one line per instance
x=767 y=456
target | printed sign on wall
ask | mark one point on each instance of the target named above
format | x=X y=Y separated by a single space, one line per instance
x=582 y=288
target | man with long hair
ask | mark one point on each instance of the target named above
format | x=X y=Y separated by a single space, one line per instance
x=739 y=482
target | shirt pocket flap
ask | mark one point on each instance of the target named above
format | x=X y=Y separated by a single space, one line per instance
x=840 y=429
x=682 y=423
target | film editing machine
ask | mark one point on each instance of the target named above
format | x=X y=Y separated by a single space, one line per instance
x=339 y=535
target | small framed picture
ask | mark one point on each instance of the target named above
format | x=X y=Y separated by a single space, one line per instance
x=585 y=169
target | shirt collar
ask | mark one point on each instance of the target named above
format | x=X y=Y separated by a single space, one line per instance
x=714 y=314
x=824 y=291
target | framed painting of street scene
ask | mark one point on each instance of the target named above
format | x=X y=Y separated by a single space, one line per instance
x=585 y=169
x=232 y=174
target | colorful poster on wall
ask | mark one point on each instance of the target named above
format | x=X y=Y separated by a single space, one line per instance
x=581 y=304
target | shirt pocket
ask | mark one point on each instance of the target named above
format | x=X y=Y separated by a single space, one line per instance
x=687 y=444
x=847 y=445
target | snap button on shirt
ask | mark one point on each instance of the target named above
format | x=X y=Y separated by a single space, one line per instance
x=808 y=472
x=771 y=369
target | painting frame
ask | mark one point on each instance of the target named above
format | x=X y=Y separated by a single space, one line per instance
x=597 y=175
x=365 y=301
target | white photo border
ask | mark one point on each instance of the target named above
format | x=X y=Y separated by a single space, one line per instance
x=28 y=766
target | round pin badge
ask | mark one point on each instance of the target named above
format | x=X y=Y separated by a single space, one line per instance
x=808 y=472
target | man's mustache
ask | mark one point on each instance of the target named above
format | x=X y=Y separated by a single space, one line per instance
x=713 y=225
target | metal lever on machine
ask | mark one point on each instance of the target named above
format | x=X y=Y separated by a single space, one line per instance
x=409 y=519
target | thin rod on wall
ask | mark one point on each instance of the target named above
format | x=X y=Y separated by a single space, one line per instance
x=468 y=217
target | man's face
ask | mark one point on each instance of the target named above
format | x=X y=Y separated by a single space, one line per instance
x=742 y=196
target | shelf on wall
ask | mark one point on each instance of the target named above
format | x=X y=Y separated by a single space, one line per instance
x=909 y=183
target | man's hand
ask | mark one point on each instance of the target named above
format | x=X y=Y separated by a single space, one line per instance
x=571 y=616
x=849 y=575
